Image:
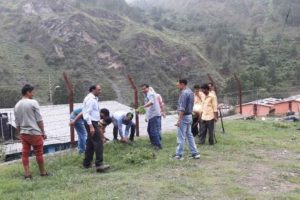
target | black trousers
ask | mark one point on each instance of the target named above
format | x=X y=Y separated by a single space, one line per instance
x=195 y=126
x=94 y=144
x=132 y=131
x=207 y=126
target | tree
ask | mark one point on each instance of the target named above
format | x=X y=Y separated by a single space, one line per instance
x=263 y=58
x=9 y=97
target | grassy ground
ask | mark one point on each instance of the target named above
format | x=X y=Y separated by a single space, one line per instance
x=253 y=160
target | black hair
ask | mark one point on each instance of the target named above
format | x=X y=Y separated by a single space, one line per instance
x=107 y=120
x=92 y=88
x=205 y=86
x=145 y=85
x=129 y=115
x=183 y=81
x=27 y=88
x=105 y=112
x=196 y=87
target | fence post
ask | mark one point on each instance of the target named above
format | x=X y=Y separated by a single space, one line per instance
x=240 y=92
x=136 y=105
x=69 y=87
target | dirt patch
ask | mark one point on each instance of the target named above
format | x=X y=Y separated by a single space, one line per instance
x=263 y=179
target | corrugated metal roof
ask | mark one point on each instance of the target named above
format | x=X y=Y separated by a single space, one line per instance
x=56 y=121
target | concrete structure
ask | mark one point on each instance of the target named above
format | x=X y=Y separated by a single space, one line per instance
x=250 y=109
x=281 y=108
x=278 y=107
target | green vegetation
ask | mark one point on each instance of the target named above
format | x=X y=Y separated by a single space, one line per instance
x=104 y=40
x=253 y=160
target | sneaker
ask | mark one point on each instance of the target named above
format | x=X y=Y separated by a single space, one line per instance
x=177 y=157
x=195 y=156
x=102 y=168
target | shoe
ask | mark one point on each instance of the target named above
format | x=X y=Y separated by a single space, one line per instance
x=29 y=177
x=46 y=174
x=195 y=156
x=102 y=168
x=177 y=157
x=115 y=140
x=157 y=148
x=87 y=166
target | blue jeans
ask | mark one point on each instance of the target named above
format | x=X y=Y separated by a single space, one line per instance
x=159 y=125
x=153 y=131
x=81 y=132
x=185 y=131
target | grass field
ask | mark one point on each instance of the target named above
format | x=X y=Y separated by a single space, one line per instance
x=253 y=160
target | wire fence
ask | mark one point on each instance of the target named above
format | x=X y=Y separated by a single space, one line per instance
x=52 y=94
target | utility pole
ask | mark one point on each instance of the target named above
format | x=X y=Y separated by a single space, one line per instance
x=240 y=92
x=50 y=88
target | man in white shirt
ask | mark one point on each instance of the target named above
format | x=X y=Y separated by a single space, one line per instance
x=94 y=143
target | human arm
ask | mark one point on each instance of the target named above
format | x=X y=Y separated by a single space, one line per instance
x=215 y=107
x=38 y=118
x=181 y=107
x=88 y=107
x=72 y=122
x=162 y=106
x=151 y=99
x=127 y=128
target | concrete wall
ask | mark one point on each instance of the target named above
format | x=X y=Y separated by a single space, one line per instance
x=248 y=110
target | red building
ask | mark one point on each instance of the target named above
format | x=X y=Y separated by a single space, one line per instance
x=281 y=108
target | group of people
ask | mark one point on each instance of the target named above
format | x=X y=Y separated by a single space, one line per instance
x=90 y=122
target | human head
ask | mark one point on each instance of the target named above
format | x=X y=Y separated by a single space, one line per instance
x=196 y=88
x=104 y=113
x=95 y=89
x=182 y=83
x=129 y=116
x=107 y=120
x=27 y=91
x=205 y=89
x=145 y=88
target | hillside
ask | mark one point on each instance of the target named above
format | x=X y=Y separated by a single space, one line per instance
x=96 y=41
x=104 y=40
x=259 y=40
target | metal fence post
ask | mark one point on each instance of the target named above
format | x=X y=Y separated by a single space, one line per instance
x=69 y=87
x=136 y=105
x=240 y=92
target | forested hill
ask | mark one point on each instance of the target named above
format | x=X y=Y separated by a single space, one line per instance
x=155 y=41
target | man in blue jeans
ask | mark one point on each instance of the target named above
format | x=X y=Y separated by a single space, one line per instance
x=76 y=120
x=119 y=118
x=153 y=115
x=184 y=123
